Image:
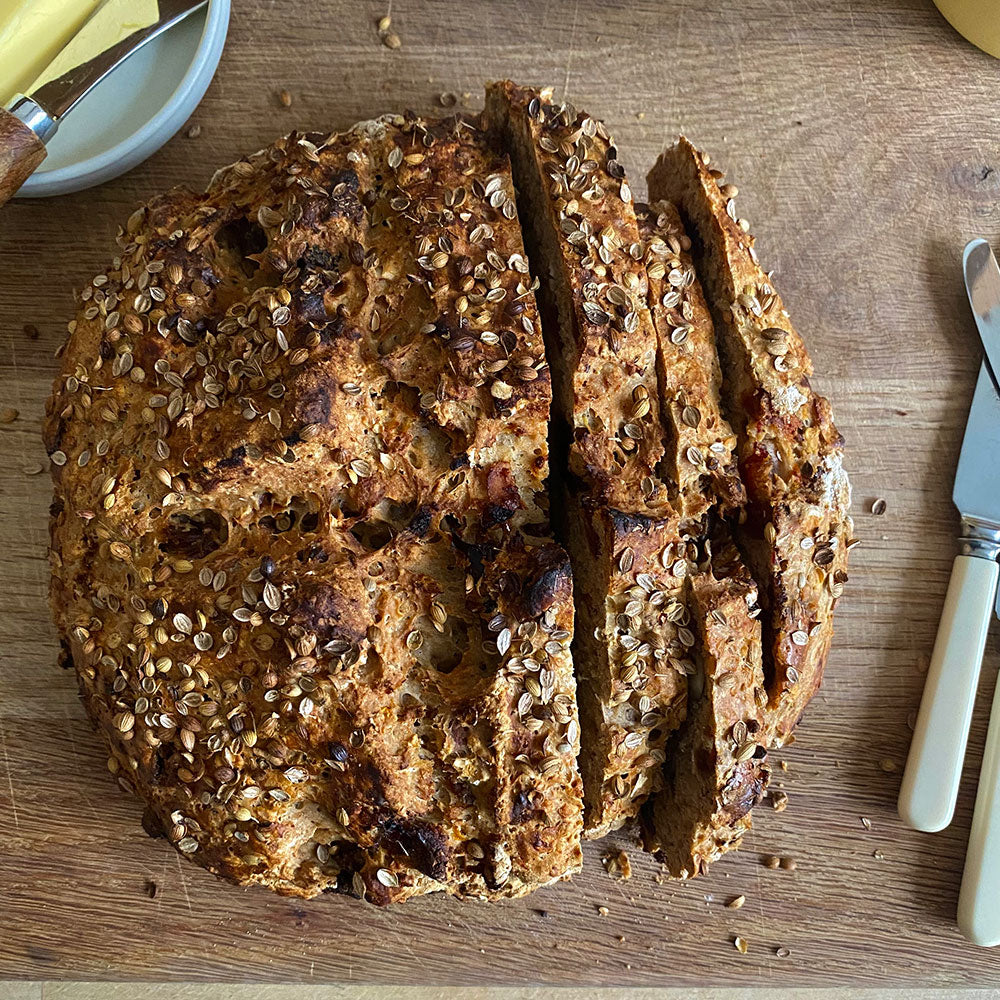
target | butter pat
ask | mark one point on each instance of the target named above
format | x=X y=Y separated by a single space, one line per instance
x=114 y=21
x=31 y=34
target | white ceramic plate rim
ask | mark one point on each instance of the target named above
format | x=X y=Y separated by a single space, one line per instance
x=147 y=139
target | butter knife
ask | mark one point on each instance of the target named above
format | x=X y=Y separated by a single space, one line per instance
x=979 y=897
x=933 y=768
x=982 y=283
x=30 y=121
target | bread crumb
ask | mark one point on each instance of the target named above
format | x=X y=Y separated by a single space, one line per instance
x=617 y=865
x=603 y=911
x=741 y=944
x=8 y=415
x=736 y=902
x=193 y=132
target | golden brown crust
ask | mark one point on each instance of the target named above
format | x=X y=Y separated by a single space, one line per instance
x=300 y=546
x=798 y=528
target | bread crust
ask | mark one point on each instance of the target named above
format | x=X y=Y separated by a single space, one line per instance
x=300 y=546
x=798 y=528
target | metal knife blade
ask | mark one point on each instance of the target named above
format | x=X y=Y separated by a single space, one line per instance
x=976 y=493
x=982 y=282
x=59 y=96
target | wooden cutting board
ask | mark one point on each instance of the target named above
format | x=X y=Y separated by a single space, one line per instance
x=863 y=137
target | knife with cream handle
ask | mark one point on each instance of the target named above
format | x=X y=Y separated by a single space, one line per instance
x=979 y=898
x=933 y=769
x=29 y=121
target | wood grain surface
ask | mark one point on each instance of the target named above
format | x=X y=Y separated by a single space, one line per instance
x=863 y=137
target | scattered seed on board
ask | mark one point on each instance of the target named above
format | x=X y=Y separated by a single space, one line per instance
x=285 y=98
x=878 y=506
x=788 y=864
x=391 y=40
x=770 y=861
x=741 y=944
x=193 y=132
x=736 y=902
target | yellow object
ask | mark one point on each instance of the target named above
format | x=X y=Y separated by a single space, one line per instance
x=113 y=21
x=31 y=34
x=976 y=20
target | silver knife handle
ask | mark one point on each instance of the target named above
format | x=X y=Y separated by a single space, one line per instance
x=32 y=114
x=934 y=767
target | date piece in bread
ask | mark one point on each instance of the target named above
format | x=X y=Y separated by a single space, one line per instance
x=798 y=529
x=716 y=765
x=300 y=550
x=580 y=225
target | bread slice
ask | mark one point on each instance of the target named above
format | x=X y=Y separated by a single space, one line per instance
x=631 y=653
x=716 y=767
x=615 y=512
x=300 y=542
x=700 y=451
x=798 y=529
